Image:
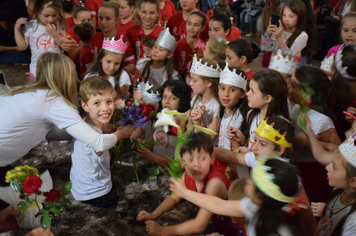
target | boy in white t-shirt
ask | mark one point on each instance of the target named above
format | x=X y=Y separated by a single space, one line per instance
x=90 y=172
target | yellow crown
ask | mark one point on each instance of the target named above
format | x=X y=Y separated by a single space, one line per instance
x=268 y=132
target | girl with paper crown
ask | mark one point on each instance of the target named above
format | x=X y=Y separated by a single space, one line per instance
x=160 y=67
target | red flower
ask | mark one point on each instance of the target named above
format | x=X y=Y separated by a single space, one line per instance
x=52 y=195
x=146 y=109
x=140 y=33
x=22 y=196
x=128 y=103
x=32 y=184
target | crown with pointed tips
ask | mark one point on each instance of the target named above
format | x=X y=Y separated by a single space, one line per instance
x=326 y=63
x=230 y=77
x=267 y=131
x=339 y=64
x=203 y=69
x=166 y=40
x=283 y=64
x=348 y=149
x=117 y=46
x=150 y=97
x=142 y=86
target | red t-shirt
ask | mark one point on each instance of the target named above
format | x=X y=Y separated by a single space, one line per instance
x=235 y=34
x=165 y=13
x=137 y=43
x=70 y=22
x=177 y=26
x=86 y=57
x=70 y=31
x=97 y=43
x=249 y=74
x=122 y=28
x=184 y=55
x=93 y=6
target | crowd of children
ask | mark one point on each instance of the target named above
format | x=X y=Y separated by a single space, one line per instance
x=276 y=129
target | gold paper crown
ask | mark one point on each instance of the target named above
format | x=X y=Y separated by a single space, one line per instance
x=264 y=181
x=268 y=132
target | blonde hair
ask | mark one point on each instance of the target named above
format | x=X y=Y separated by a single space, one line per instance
x=55 y=72
x=93 y=86
x=217 y=46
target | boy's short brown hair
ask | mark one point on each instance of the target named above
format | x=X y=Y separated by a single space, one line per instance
x=93 y=86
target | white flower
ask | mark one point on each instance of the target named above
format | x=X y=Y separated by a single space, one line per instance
x=120 y=104
x=165 y=120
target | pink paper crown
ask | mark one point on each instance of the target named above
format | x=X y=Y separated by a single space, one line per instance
x=115 y=46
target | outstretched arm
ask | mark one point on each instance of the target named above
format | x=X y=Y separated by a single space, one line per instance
x=225 y=155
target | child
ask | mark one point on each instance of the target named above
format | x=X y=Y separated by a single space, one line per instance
x=240 y=53
x=178 y=21
x=68 y=7
x=219 y=26
x=160 y=67
x=186 y=47
x=321 y=117
x=270 y=192
x=205 y=74
x=93 y=6
x=215 y=49
x=85 y=31
x=109 y=64
x=199 y=177
x=175 y=95
x=90 y=172
x=125 y=14
x=249 y=15
x=167 y=9
x=108 y=18
x=142 y=36
x=46 y=32
x=222 y=7
x=284 y=64
x=289 y=36
x=272 y=7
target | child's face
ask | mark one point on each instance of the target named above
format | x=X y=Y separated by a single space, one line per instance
x=348 y=31
x=230 y=95
x=30 y=7
x=293 y=93
x=100 y=108
x=111 y=63
x=198 y=164
x=336 y=171
x=194 y=26
x=255 y=98
x=148 y=14
x=233 y=59
x=262 y=146
x=107 y=19
x=169 y=100
x=83 y=16
x=48 y=15
x=216 y=29
x=197 y=84
x=125 y=11
x=160 y=54
x=207 y=53
x=290 y=19
x=187 y=5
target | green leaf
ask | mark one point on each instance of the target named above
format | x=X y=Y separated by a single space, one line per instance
x=153 y=172
x=205 y=130
x=127 y=143
x=45 y=220
x=56 y=209
x=23 y=206
x=65 y=189
x=137 y=144
x=64 y=202
x=175 y=168
x=174 y=113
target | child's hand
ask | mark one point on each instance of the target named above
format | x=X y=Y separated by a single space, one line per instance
x=177 y=187
x=351 y=110
x=21 y=21
x=124 y=131
x=143 y=216
x=197 y=114
x=317 y=208
x=108 y=128
x=307 y=128
x=244 y=150
x=69 y=44
x=40 y=232
x=51 y=29
x=145 y=153
x=153 y=228
x=236 y=135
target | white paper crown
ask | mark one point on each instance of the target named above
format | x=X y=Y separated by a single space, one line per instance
x=283 y=64
x=230 y=77
x=143 y=87
x=326 y=63
x=166 y=40
x=348 y=149
x=117 y=46
x=150 y=97
x=338 y=64
x=203 y=69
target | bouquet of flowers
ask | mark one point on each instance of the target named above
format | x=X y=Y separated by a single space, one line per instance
x=34 y=195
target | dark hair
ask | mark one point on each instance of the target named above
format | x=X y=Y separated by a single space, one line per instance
x=131 y=3
x=316 y=79
x=244 y=47
x=298 y=8
x=111 y=5
x=201 y=15
x=179 y=89
x=79 y=9
x=224 y=20
x=270 y=216
x=67 y=6
x=198 y=141
x=271 y=83
x=84 y=31
x=310 y=30
x=155 y=2
x=222 y=7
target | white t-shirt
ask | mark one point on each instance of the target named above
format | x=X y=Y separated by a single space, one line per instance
x=40 y=41
x=212 y=110
x=90 y=174
x=124 y=78
x=157 y=77
x=234 y=120
x=319 y=123
x=299 y=43
x=35 y=116
x=250 y=209
x=166 y=145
